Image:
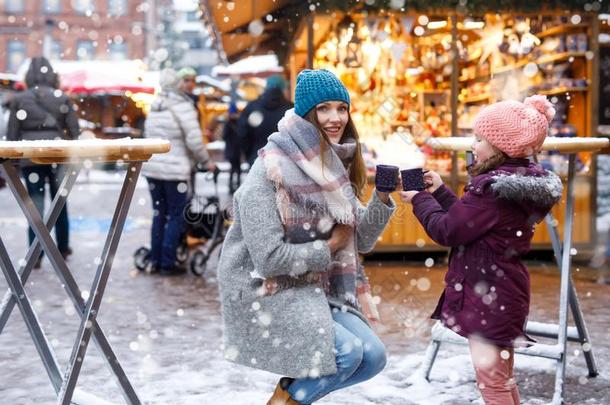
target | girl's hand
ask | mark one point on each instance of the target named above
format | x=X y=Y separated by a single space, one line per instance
x=433 y=179
x=407 y=196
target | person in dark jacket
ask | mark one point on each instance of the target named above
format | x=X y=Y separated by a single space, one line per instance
x=487 y=288
x=260 y=117
x=232 y=148
x=43 y=112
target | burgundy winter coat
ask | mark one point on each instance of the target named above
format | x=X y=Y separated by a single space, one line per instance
x=487 y=287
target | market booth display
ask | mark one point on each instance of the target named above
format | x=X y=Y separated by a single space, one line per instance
x=113 y=95
x=407 y=88
x=420 y=70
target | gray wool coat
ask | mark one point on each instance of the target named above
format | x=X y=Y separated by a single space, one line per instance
x=290 y=332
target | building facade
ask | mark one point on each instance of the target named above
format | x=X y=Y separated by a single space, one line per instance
x=71 y=30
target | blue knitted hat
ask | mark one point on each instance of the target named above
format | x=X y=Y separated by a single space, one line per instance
x=316 y=86
x=276 y=82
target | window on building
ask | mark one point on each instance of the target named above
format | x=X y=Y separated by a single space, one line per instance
x=14 y=6
x=117 y=51
x=194 y=39
x=192 y=16
x=85 y=50
x=83 y=6
x=117 y=7
x=51 y=6
x=15 y=52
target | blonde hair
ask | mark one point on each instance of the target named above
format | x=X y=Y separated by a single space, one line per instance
x=493 y=162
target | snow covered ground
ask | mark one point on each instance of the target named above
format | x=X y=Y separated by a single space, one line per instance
x=167 y=332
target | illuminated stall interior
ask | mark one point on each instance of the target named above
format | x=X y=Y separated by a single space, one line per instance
x=407 y=87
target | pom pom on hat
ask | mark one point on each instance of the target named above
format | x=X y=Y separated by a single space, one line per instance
x=541 y=104
x=517 y=129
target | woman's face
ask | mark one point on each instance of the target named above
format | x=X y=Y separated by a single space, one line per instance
x=482 y=149
x=333 y=117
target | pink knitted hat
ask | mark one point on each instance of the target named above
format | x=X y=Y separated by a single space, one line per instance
x=517 y=129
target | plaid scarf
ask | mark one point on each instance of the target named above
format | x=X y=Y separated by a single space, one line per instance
x=313 y=193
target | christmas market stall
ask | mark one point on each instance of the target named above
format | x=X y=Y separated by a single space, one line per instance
x=420 y=70
x=113 y=95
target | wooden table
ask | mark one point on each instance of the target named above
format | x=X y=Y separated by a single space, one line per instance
x=563 y=256
x=74 y=154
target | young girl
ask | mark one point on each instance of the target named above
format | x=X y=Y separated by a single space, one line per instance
x=487 y=288
x=295 y=299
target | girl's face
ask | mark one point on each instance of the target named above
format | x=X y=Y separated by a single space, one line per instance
x=482 y=149
x=333 y=117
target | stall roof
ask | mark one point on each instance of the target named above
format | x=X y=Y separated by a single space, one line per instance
x=102 y=76
x=252 y=66
x=231 y=21
x=222 y=85
x=278 y=20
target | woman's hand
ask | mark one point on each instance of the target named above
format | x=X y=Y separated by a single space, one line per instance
x=385 y=197
x=433 y=179
x=340 y=237
x=211 y=166
x=407 y=196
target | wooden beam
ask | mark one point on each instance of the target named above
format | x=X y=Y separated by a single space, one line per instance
x=455 y=56
x=310 y=41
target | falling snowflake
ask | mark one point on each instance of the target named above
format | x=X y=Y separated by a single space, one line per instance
x=256 y=28
x=231 y=353
x=397 y=4
x=265 y=318
x=255 y=119
x=33 y=178
x=423 y=284
x=530 y=70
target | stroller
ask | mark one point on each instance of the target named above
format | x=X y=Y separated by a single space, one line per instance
x=207 y=224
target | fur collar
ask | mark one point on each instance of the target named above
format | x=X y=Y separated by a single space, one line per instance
x=541 y=191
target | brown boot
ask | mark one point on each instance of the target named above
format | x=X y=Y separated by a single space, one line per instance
x=280 y=395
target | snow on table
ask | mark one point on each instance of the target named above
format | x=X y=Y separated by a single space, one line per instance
x=99 y=150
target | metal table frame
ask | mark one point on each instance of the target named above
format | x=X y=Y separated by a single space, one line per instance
x=87 y=310
x=567 y=296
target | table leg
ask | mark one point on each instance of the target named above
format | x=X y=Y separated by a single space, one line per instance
x=579 y=321
x=566 y=263
x=8 y=303
x=99 y=284
x=27 y=311
x=70 y=286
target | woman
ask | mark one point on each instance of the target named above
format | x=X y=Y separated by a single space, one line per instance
x=41 y=113
x=172 y=117
x=295 y=298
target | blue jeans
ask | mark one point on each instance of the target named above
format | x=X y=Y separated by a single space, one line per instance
x=35 y=179
x=169 y=200
x=360 y=356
